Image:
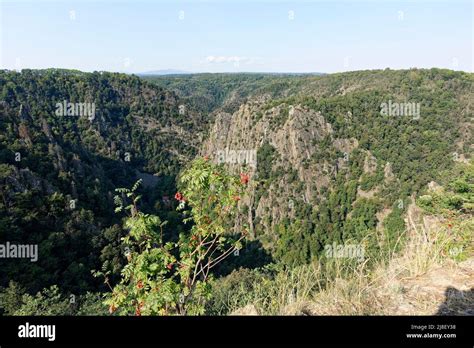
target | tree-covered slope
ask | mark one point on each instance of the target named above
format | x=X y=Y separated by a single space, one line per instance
x=332 y=166
x=58 y=172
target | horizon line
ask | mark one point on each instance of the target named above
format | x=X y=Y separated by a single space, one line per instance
x=162 y=72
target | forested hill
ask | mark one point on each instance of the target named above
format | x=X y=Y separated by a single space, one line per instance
x=337 y=156
x=58 y=171
x=331 y=166
x=226 y=92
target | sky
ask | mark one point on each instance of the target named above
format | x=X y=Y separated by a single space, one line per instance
x=137 y=36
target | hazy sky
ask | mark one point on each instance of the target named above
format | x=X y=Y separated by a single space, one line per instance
x=217 y=36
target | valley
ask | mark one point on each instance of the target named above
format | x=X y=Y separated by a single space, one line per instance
x=326 y=159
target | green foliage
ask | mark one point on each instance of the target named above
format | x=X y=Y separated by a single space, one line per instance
x=459 y=197
x=454 y=202
x=296 y=244
x=236 y=290
x=172 y=278
x=394 y=227
x=265 y=158
x=15 y=301
x=70 y=159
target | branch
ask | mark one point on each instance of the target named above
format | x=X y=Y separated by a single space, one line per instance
x=211 y=263
x=201 y=243
x=199 y=261
x=224 y=255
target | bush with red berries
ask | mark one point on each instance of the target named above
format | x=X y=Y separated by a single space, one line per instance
x=173 y=277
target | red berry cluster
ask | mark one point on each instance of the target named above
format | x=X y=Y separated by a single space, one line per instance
x=179 y=197
x=244 y=178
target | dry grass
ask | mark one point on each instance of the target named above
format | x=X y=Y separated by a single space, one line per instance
x=423 y=278
x=414 y=281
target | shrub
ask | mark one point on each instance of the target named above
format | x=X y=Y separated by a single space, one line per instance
x=163 y=278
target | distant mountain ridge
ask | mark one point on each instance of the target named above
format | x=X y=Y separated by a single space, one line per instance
x=164 y=72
